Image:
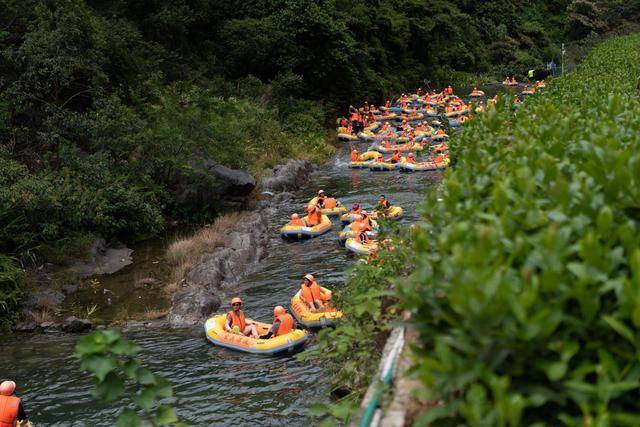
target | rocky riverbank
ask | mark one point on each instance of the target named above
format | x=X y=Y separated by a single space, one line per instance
x=204 y=285
x=200 y=290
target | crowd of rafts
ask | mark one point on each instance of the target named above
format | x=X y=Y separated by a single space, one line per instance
x=412 y=126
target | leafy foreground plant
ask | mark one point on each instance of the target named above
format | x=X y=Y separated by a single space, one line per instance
x=526 y=292
x=350 y=352
x=111 y=360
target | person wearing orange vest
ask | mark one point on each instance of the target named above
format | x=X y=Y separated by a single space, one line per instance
x=379 y=158
x=235 y=317
x=320 y=198
x=311 y=293
x=296 y=221
x=314 y=215
x=11 y=410
x=355 y=209
x=282 y=323
x=354 y=157
x=366 y=221
x=395 y=157
x=411 y=158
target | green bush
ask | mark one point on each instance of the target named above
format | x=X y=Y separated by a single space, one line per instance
x=526 y=291
x=11 y=284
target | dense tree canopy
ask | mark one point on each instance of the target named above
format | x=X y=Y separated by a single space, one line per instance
x=103 y=104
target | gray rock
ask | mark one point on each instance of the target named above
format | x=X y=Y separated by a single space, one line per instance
x=25 y=327
x=74 y=325
x=102 y=260
x=191 y=305
x=233 y=182
x=289 y=176
x=50 y=327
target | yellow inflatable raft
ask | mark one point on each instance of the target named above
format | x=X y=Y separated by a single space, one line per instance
x=347 y=233
x=403 y=148
x=394 y=212
x=476 y=94
x=313 y=319
x=214 y=329
x=425 y=167
x=301 y=232
x=457 y=113
x=382 y=166
x=338 y=210
x=347 y=137
x=353 y=245
x=365 y=160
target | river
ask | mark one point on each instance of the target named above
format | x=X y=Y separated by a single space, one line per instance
x=215 y=386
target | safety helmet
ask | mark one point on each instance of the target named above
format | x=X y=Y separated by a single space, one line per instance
x=411 y=155
x=236 y=300
x=355 y=206
x=278 y=310
x=294 y=216
x=7 y=388
x=320 y=192
x=309 y=277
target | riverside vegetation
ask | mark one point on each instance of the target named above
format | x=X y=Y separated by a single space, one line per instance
x=104 y=107
x=526 y=276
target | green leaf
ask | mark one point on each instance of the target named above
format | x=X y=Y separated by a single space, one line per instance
x=109 y=389
x=129 y=418
x=146 y=399
x=145 y=376
x=620 y=328
x=99 y=365
x=130 y=368
x=556 y=371
x=165 y=415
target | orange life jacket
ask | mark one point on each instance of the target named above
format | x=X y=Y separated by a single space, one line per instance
x=237 y=320
x=354 y=156
x=396 y=157
x=286 y=324
x=310 y=293
x=315 y=216
x=330 y=203
x=9 y=407
x=297 y=222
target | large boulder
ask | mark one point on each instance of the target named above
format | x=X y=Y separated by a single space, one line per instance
x=232 y=182
x=205 y=184
x=289 y=176
x=191 y=305
x=102 y=260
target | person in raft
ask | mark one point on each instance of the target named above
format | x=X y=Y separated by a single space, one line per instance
x=282 y=323
x=354 y=157
x=326 y=202
x=383 y=204
x=366 y=221
x=11 y=409
x=355 y=209
x=396 y=157
x=235 y=318
x=314 y=215
x=296 y=221
x=311 y=293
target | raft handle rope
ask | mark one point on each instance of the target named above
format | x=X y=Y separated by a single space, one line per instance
x=372 y=414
